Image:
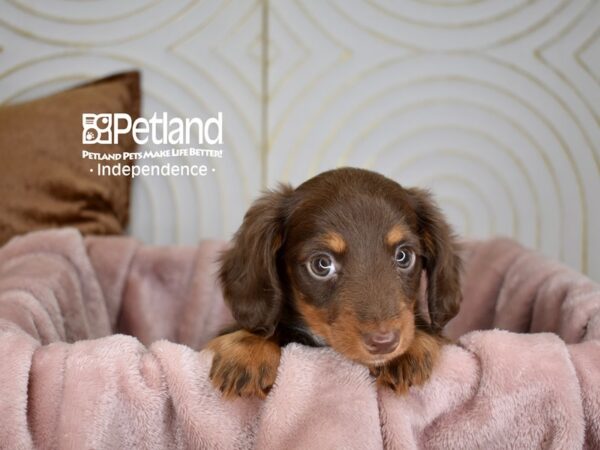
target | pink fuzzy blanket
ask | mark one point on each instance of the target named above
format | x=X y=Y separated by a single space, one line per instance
x=67 y=381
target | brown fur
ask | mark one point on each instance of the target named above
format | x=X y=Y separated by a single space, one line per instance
x=358 y=218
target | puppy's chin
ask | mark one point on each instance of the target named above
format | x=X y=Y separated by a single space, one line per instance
x=370 y=360
x=380 y=360
x=376 y=362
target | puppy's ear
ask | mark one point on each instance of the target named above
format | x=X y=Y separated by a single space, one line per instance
x=248 y=273
x=441 y=260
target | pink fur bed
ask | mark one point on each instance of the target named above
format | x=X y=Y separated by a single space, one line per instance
x=68 y=381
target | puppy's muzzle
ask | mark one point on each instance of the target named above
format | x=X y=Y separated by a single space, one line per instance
x=381 y=342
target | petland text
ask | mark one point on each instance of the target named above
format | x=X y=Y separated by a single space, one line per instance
x=106 y=129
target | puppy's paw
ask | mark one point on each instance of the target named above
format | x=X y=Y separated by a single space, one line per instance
x=412 y=368
x=244 y=364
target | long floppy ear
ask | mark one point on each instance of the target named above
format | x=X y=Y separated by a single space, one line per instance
x=248 y=273
x=441 y=260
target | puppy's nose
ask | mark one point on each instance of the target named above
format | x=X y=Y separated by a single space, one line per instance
x=378 y=342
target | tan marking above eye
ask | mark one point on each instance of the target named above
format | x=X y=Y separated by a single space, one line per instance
x=334 y=241
x=395 y=235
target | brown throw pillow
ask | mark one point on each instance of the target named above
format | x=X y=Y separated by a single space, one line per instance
x=44 y=181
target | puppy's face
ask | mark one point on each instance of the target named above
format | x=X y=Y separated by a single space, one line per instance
x=342 y=255
x=353 y=263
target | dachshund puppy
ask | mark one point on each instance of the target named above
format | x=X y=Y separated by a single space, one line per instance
x=337 y=262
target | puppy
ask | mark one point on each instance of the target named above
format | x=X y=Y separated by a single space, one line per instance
x=337 y=262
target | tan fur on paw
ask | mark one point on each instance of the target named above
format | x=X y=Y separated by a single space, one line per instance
x=244 y=364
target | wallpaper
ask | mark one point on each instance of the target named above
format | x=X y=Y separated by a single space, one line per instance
x=493 y=105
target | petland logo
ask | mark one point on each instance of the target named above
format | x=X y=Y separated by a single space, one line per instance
x=106 y=129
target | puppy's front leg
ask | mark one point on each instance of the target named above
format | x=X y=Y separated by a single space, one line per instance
x=244 y=364
x=413 y=367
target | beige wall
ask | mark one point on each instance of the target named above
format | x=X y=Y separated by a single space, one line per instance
x=494 y=105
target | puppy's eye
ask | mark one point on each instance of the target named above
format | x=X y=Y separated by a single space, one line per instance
x=404 y=258
x=321 y=267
